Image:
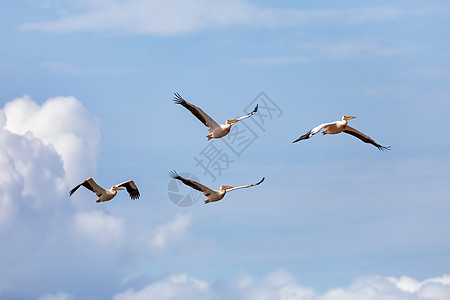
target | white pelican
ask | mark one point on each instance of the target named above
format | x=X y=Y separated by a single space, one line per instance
x=212 y=195
x=338 y=127
x=216 y=131
x=106 y=195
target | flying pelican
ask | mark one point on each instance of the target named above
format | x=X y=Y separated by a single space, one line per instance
x=212 y=195
x=338 y=127
x=216 y=131
x=106 y=195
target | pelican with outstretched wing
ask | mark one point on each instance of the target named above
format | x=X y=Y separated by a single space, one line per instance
x=338 y=127
x=106 y=195
x=216 y=131
x=212 y=195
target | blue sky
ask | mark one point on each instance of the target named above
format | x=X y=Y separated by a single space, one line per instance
x=86 y=91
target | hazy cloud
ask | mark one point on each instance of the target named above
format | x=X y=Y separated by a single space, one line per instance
x=334 y=50
x=170 y=231
x=57 y=296
x=100 y=228
x=174 y=17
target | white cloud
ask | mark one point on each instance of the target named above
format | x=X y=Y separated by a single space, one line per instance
x=42 y=148
x=280 y=285
x=173 y=230
x=173 y=17
x=433 y=288
x=63 y=124
x=173 y=287
x=31 y=174
x=377 y=287
x=35 y=169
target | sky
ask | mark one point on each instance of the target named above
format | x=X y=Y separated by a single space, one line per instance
x=86 y=90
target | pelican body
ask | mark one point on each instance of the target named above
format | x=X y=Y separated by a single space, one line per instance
x=107 y=194
x=338 y=127
x=216 y=131
x=212 y=195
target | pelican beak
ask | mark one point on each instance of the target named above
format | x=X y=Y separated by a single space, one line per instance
x=231 y=121
x=227 y=187
x=118 y=188
x=349 y=117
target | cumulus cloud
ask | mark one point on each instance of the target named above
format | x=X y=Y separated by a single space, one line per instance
x=280 y=285
x=61 y=123
x=36 y=166
x=44 y=149
x=377 y=287
x=173 y=17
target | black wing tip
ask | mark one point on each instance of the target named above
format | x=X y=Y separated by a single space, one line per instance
x=178 y=99
x=135 y=195
x=261 y=180
x=256 y=109
x=303 y=137
x=74 y=189
x=174 y=174
x=384 y=148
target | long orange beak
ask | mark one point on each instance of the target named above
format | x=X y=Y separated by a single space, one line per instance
x=349 y=117
x=231 y=121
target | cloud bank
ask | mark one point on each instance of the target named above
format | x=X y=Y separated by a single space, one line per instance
x=280 y=285
x=54 y=246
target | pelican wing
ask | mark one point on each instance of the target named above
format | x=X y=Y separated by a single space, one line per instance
x=364 y=138
x=131 y=189
x=197 y=112
x=247 y=115
x=191 y=183
x=91 y=185
x=245 y=186
x=313 y=132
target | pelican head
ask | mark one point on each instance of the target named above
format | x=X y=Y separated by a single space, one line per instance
x=225 y=187
x=116 y=188
x=345 y=118
x=231 y=122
